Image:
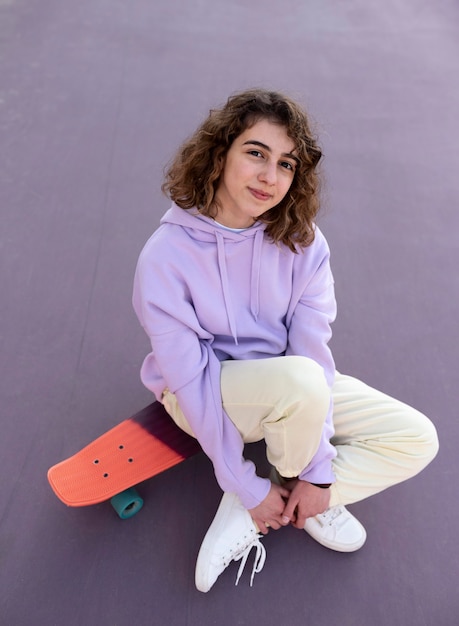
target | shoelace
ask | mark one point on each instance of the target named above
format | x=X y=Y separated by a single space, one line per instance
x=331 y=516
x=260 y=558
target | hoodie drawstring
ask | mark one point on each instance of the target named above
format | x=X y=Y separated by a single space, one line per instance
x=255 y=277
x=225 y=284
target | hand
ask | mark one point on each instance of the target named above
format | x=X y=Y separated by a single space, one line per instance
x=305 y=500
x=270 y=512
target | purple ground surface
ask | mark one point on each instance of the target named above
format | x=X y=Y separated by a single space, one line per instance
x=95 y=96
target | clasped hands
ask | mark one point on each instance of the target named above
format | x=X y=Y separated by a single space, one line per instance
x=293 y=505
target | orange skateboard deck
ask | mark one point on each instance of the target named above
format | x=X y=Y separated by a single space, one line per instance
x=140 y=447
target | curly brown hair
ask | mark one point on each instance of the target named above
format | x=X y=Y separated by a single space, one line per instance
x=193 y=176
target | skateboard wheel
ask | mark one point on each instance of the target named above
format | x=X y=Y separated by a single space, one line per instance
x=127 y=503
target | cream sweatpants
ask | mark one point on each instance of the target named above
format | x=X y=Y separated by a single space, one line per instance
x=284 y=400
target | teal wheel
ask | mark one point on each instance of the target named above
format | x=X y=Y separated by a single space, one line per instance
x=127 y=503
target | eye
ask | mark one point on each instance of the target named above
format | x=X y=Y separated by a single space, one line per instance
x=255 y=153
x=287 y=165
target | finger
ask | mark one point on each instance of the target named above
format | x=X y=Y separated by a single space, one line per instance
x=299 y=522
x=289 y=510
x=261 y=526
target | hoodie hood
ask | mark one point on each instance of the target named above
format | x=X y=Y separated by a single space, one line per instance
x=205 y=229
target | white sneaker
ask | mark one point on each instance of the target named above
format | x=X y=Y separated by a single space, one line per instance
x=230 y=537
x=337 y=529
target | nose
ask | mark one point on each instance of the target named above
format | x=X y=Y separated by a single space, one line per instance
x=268 y=173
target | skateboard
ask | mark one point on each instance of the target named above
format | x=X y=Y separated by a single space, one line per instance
x=138 y=448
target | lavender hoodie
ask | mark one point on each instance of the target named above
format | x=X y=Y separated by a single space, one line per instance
x=204 y=294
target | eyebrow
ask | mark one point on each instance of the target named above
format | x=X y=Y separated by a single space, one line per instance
x=253 y=142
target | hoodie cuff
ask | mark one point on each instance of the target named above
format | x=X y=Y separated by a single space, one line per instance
x=321 y=474
x=254 y=497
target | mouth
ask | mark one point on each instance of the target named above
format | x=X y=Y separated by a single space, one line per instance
x=260 y=195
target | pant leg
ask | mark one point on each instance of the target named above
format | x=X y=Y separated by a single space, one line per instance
x=283 y=400
x=380 y=441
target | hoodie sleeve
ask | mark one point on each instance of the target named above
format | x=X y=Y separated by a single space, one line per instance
x=308 y=335
x=182 y=352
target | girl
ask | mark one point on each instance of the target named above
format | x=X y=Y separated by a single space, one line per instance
x=236 y=294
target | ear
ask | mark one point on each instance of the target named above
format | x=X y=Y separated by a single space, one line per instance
x=221 y=164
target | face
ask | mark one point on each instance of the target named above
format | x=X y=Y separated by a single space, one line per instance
x=257 y=173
